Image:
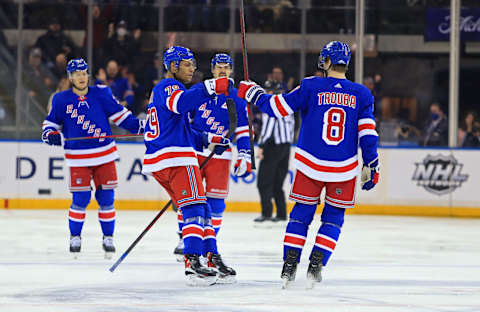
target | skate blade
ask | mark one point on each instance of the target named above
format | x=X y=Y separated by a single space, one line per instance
x=108 y=255
x=196 y=281
x=285 y=283
x=229 y=279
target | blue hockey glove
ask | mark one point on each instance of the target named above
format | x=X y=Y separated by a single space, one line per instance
x=243 y=166
x=250 y=91
x=216 y=86
x=52 y=137
x=370 y=175
x=215 y=143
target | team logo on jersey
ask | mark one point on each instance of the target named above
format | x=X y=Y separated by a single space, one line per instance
x=439 y=174
x=82 y=101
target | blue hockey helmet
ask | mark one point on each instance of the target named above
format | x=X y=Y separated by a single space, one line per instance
x=338 y=53
x=176 y=54
x=76 y=65
x=222 y=58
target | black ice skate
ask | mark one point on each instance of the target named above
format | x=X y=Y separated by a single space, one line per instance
x=289 y=268
x=314 y=272
x=178 y=251
x=75 y=245
x=226 y=275
x=197 y=274
x=108 y=246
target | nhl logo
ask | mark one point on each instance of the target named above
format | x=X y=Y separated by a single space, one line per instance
x=439 y=174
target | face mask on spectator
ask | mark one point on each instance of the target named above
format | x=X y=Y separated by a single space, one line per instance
x=434 y=116
x=122 y=31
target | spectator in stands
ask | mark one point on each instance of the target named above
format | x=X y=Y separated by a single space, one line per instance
x=64 y=84
x=120 y=86
x=407 y=135
x=275 y=81
x=53 y=42
x=122 y=47
x=60 y=68
x=138 y=90
x=37 y=79
x=469 y=131
x=101 y=17
x=151 y=72
x=375 y=87
x=436 y=129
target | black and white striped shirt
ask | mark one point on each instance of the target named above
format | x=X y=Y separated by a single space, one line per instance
x=280 y=129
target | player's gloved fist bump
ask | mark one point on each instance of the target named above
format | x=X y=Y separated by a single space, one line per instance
x=52 y=137
x=243 y=166
x=370 y=175
x=215 y=143
x=216 y=86
x=250 y=91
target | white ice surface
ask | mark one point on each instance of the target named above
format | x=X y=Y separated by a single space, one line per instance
x=380 y=264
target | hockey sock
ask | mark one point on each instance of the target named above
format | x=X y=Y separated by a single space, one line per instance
x=297 y=228
x=76 y=215
x=180 y=220
x=106 y=213
x=209 y=237
x=192 y=231
x=217 y=206
x=327 y=237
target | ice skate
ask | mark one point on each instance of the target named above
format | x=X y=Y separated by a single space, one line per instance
x=108 y=246
x=75 y=245
x=289 y=268
x=178 y=251
x=197 y=274
x=314 y=272
x=226 y=275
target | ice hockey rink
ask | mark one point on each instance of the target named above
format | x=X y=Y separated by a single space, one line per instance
x=382 y=263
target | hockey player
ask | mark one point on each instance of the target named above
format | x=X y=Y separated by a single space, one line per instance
x=171 y=159
x=86 y=111
x=337 y=114
x=212 y=117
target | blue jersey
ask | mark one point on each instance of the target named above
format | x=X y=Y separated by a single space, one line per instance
x=122 y=90
x=336 y=115
x=169 y=138
x=88 y=115
x=212 y=116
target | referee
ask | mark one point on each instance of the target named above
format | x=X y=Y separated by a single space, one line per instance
x=274 y=152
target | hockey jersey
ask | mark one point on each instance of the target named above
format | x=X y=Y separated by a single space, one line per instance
x=122 y=90
x=337 y=115
x=212 y=116
x=169 y=138
x=88 y=115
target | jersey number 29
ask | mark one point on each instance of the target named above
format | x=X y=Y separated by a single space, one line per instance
x=333 y=126
x=153 y=130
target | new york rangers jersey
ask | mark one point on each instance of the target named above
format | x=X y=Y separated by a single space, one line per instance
x=212 y=116
x=169 y=138
x=337 y=114
x=89 y=115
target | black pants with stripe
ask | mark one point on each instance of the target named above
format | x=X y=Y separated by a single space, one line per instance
x=271 y=173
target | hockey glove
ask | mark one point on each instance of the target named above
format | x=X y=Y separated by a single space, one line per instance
x=141 y=126
x=215 y=143
x=370 y=175
x=243 y=166
x=52 y=137
x=250 y=91
x=218 y=86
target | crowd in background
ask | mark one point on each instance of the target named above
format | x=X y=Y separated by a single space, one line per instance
x=120 y=62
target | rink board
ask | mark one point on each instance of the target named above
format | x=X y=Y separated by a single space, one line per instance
x=434 y=182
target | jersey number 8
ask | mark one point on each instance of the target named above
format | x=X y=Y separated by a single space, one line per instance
x=333 y=126
x=153 y=130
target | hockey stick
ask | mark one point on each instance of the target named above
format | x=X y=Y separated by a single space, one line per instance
x=117 y=136
x=232 y=120
x=245 y=76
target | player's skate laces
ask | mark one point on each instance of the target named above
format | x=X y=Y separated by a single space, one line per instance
x=196 y=273
x=75 y=243
x=225 y=273
x=314 y=272
x=108 y=246
x=289 y=267
x=178 y=251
